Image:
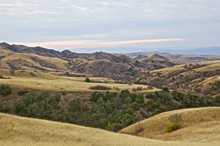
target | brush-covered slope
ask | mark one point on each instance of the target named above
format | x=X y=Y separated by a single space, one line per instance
x=18 y=131
x=202 y=78
x=197 y=125
x=157 y=61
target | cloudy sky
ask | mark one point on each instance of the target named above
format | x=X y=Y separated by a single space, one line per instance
x=111 y=25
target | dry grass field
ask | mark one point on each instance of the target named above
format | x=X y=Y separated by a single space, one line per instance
x=196 y=125
x=19 y=131
x=23 y=61
x=67 y=84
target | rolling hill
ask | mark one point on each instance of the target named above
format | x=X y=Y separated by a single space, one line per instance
x=200 y=78
x=27 y=131
x=158 y=70
x=196 y=125
x=115 y=66
x=48 y=84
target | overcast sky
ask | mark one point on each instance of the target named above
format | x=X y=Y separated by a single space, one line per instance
x=109 y=24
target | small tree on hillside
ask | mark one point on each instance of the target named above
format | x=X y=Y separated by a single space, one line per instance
x=87 y=79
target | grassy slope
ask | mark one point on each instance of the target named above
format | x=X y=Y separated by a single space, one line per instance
x=20 y=131
x=69 y=84
x=202 y=124
x=26 y=60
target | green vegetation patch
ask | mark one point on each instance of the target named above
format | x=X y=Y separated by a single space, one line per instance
x=216 y=86
x=5 y=90
x=107 y=110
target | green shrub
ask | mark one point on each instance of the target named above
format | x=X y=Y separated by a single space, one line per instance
x=100 y=87
x=54 y=100
x=127 y=119
x=28 y=99
x=4 y=108
x=74 y=106
x=140 y=99
x=152 y=105
x=129 y=111
x=217 y=100
x=18 y=107
x=115 y=126
x=22 y=92
x=135 y=106
x=87 y=79
x=5 y=90
x=109 y=96
x=150 y=96
x=43 y=95
x=216 y=86
x=165 y=89
x=173 y=126
x=109 y=107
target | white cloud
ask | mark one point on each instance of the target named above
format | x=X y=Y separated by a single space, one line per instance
x=97 y=43
x=40 y=20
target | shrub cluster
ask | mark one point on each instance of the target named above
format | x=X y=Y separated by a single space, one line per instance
x=108 y=110
x=100 y=87
x=41 y=106
x=5 y=90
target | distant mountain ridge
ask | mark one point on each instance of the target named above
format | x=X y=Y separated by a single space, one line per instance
x=175 y=57
x=196 y=51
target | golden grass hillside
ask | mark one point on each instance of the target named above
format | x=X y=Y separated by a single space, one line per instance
x=68 y=84
x=196 y=125
x=22 y=61
x=18 y=131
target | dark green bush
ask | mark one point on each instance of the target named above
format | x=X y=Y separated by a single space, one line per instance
x=140 y=99
x=87 y=79
x=165 y=89
x=135 y=106
x=5 y=90
x=4 y=108
x=18 y=107
x=100 y=87
x=22 y=92
x=216 y=86
x=129 y=111
x=74 y=106
x=28 y=99
x=116 y=126
x=95 y=96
